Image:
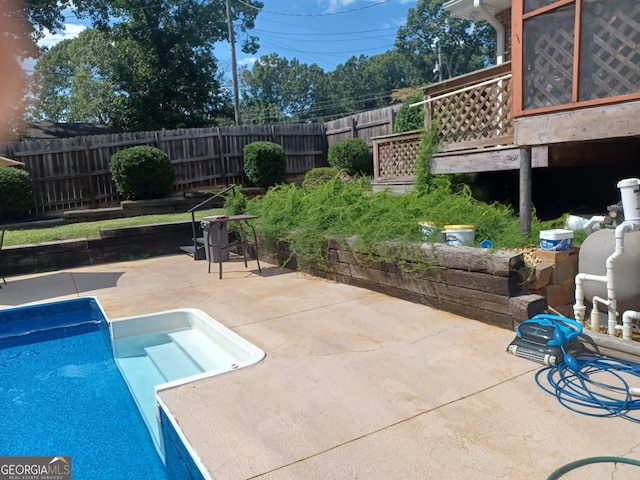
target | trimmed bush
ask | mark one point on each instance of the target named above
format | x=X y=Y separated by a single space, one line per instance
x=265 y=163
x=16 y=193
x=352 y=155
x=142 y=173
x=319 y=176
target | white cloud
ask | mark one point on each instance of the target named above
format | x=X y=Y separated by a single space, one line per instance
x=333 y=6
x=248 y=61
x=336 y=5
x=71 y=30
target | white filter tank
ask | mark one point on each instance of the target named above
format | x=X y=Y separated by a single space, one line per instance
x=594 y=252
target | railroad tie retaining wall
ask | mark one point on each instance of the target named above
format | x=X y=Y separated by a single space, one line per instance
x=486 y=285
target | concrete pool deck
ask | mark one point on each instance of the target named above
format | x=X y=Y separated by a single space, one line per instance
x=355 y=384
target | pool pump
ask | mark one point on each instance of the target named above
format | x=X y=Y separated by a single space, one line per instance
x=546 y=339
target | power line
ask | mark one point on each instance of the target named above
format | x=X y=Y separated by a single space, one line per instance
x=289 y=14
x=327 y=33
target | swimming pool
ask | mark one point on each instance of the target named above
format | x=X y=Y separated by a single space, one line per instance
x=163 y=350
x=71 y=380
x=62 y=394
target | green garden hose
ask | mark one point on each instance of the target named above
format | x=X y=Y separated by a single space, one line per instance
x=587 y=461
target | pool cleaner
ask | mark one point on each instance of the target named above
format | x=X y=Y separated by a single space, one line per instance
x=546 y=339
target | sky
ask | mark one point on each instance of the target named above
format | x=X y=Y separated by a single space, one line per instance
x=322 y=32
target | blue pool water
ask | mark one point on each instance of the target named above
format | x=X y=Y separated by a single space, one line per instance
x=61 y=394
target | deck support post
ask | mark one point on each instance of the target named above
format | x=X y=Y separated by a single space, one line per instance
x=525 y=192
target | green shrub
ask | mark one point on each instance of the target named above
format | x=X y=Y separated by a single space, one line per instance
x=265 y=163
x=235 y=202
x=318 y=176
x=352 y=155
x=142 y=172
x=351 y=212
x=410 y=118
x=16 y=193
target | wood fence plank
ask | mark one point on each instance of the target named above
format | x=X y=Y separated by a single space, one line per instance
x=74 y=172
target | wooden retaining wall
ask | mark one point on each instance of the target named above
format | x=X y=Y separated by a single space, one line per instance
x=114 y=245
x=484 y=285
x=481 y=284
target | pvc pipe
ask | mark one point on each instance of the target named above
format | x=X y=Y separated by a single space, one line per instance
x=579 y=308
x=595 y=312
x=620 y=232
x=627 y=323
x=612 y=301
x=595 y=220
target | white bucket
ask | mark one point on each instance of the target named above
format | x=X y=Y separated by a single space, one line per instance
x=556 y=239
x=431 y=232
x=630 y=194
x=460 y=234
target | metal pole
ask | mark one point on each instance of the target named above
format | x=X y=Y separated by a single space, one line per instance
x=234 y=70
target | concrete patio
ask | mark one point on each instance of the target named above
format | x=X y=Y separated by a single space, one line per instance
x=355 y=384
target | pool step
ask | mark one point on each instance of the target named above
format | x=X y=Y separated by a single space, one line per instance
x=142 y=376
x=200 y=348
x=172 y=361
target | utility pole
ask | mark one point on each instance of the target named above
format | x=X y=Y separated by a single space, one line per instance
x=234 y=70
x=439 y=60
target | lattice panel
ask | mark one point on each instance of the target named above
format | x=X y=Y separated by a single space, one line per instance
x=398 y=158
x=611 y=56
x=550 y=82
x=478 y=114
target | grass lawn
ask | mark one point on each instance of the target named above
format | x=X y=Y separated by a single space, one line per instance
x=92 y=229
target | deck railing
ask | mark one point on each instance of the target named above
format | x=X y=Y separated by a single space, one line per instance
x=472 y=111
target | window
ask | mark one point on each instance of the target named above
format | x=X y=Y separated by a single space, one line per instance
x=576 y=53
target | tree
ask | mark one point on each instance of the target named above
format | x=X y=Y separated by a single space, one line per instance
x=410 y=118
x=439 y=44
x=24 y=23
x=21 y=26
x=166 y=75
x=277 y=89
x=74 y=81
x=365 y=83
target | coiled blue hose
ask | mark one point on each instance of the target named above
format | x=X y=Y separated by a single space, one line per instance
x=593 y=385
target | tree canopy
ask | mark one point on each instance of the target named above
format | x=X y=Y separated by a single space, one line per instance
x=73 y=81
x=149 y=64
x=431 y=44
x=441 y=46
x=157 y=66
x=22 y=24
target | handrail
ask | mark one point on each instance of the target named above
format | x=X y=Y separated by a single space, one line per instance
x=461 y=90
x=216 y=195
x=465 y=79
x=199 y=206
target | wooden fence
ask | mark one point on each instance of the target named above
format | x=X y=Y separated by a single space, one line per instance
x=74 y=172
x=364 y=125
